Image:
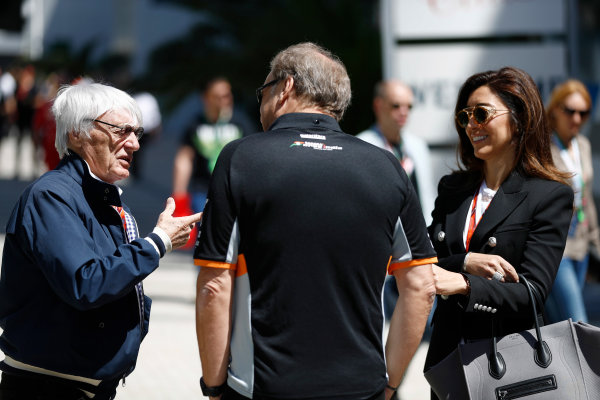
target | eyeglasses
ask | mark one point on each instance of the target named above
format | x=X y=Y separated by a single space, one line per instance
x=125 y=131
x=259 y=91
x=571 y=112
x=481 y=114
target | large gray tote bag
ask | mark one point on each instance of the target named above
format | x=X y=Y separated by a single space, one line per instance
x=559 y=361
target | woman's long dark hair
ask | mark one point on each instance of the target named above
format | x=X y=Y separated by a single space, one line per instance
x=528 y=121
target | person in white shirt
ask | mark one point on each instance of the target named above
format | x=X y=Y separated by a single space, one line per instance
x=392 y=103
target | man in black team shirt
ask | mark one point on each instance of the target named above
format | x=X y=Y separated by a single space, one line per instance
x=301 y=224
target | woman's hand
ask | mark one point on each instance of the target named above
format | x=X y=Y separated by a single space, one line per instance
x=447 y=282
x=485 y=265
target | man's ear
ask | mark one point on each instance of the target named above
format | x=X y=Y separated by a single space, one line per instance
x=75 y=140
x=288 y=89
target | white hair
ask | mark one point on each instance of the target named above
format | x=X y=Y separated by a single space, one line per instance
x=76 y=106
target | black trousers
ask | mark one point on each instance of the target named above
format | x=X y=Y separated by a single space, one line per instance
x=231 y=394
x=42 y=387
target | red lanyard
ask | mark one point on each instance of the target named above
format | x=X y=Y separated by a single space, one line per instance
x=473 y=221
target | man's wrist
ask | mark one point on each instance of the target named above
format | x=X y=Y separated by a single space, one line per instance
x=158 y=244
x=160 y=241
x=212 y=391
x=164 y=237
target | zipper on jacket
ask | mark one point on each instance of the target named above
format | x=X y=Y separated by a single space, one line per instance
x=526 y=388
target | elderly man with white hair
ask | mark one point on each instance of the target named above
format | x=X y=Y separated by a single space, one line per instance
x=72 y=308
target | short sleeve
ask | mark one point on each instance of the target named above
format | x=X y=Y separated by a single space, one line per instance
x=411 y=245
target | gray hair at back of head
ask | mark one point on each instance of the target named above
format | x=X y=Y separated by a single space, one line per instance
x=76 y=106
x=320 y=77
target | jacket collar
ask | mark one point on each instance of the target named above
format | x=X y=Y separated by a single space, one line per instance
x=305 y=121
x=507 y=198
x=96 y=191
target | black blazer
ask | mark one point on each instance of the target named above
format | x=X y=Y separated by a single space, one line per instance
x=526 y=223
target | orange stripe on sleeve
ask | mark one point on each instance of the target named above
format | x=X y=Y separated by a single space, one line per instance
x=214 y=264
x=411 y=263
x=241 y=266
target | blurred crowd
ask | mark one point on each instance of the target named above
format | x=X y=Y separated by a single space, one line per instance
x=25 y=101
x=26 y=96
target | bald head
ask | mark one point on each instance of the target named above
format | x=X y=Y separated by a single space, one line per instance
x=392 y=104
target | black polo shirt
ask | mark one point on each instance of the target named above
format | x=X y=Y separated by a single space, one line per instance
x=311 y=219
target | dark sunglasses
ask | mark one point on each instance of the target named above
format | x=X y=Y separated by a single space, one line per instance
x=481 y=115
x=259 y=91
x=570 y=112
x=125 y=131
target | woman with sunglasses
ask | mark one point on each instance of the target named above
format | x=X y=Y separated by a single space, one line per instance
x=506 y=211
x=568 y=110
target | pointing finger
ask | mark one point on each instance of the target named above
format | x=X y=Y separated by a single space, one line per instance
x=190 y=219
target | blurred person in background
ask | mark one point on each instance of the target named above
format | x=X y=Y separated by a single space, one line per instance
x=301 y=224
x=72 y=307
x=201 y=145
x=8 y=88
x=27 y=100
x=152 y=127
x=569 y=108
x=8 y=117
x=392 y=104
x=43 y=125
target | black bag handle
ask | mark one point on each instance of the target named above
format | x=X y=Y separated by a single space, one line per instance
x=542 y=355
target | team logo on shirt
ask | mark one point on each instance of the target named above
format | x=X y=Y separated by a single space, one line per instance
x=312 y=136
x=315 y=146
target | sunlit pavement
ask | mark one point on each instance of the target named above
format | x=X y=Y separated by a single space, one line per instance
x=168 y=365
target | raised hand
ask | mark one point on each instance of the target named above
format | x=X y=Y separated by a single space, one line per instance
x=178 y=228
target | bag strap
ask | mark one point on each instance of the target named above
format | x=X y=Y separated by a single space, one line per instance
x=542 y=354
x=538 y=301
x=543 y=357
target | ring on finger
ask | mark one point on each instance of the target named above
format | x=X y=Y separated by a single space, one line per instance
x=497 y=276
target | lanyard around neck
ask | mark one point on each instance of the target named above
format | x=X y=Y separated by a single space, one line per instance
x=473 y=222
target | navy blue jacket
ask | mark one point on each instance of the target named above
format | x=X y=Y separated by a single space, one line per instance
x=67 y=290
